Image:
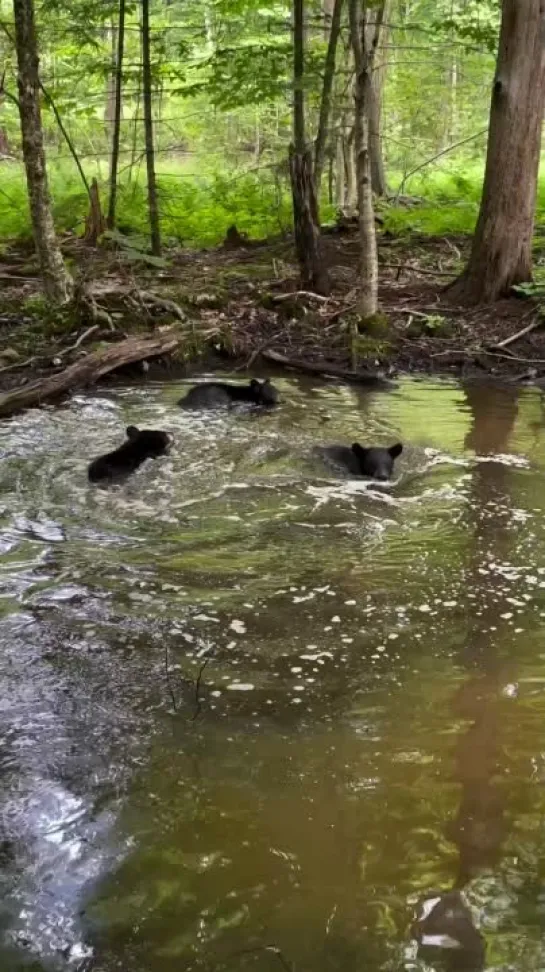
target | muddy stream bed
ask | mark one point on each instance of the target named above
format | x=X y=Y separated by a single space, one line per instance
x=251 y=713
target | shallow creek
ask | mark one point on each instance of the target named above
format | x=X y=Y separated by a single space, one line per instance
x=247 y=704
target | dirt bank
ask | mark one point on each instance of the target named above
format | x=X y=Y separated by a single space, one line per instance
x=243 y=306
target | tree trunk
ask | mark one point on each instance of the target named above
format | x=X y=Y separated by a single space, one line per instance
x=339 y=173
x=363 y=60
x=94 y=224
x=153 y=207
x=314 y=274
x=501 y=255
x=109 y=108
x=110 y=219
x=57 y=282
x=374 y=35
x=350 y=175
x=327 y=88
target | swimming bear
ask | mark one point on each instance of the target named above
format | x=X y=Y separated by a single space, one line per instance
x=141 y=444
x=375 y=461
x=220 y=394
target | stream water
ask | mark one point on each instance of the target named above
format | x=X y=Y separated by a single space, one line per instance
x=251 y=713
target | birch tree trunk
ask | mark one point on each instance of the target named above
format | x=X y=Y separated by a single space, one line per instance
x=374 y=38
x=153 y=205
x=368 y=301
x=57 y=283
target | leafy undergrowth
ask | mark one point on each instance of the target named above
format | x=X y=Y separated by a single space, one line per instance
x=197 y=207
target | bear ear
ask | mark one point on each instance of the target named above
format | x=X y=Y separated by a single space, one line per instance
x=132 y=432
x=358 y=450
x=254 y=383
x=395 y=450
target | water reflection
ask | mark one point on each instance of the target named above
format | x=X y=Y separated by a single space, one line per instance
x=369 y=732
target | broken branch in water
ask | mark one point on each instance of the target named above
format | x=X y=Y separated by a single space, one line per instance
x=324 y=369
x=198 y=702
x=88 y=370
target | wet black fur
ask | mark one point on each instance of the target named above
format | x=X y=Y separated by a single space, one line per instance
x=374 y=461
x=219 y=394
x=141 y=444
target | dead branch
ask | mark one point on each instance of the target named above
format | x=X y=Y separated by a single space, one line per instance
x=276 y=298
x=88 y=370
x=359 y=378
x=445 y=151
x=408 y=267
x=198 y=702
x=532 y=326
x=83 y=337
x=162 y=303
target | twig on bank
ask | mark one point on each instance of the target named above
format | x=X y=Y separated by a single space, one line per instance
x=408 y=267
x=19 y=364
x=83 y=337
x=300 y=293
x=532 y=326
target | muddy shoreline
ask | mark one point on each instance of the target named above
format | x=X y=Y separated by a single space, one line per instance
x=241 y=310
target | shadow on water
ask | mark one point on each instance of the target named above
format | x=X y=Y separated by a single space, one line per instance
x=252 y=715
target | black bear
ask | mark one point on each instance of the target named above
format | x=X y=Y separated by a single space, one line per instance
x=375 y=462
x=141 y=444
x=219 y=394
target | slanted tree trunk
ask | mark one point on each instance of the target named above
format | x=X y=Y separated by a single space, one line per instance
x=153 y=206
x=327 y=88
x=110 y=219
x=314 y=274
x=368 y=301
x=501 y=254
x=57 y=282
x=374 y=35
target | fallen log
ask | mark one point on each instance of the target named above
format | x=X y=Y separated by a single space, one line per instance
x=88 y=370
x=357 y=377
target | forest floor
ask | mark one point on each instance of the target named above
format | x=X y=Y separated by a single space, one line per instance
x=243 y=304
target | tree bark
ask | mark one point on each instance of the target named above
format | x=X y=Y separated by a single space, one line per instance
x=374 y=35
x=109 y=108
x=153 y=206
x=57 y=282
x=327 y=88
x=110 y=219
x=501 y=254
x=94 y=224
x=314 y=274
x=363 y=60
